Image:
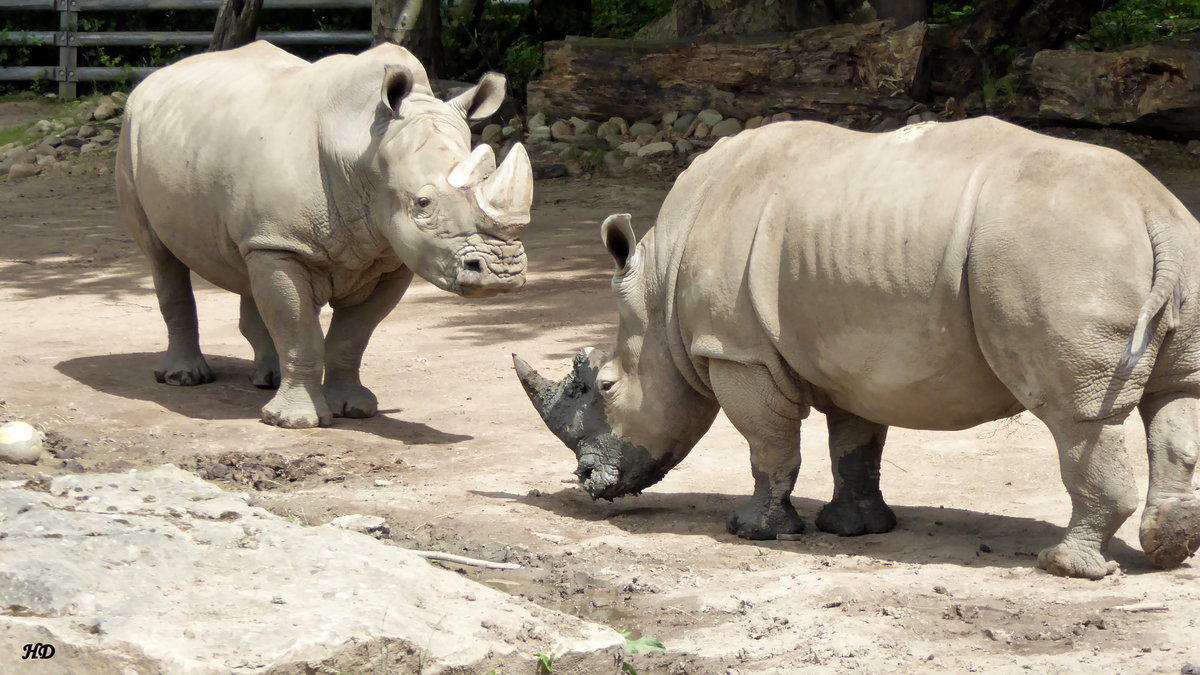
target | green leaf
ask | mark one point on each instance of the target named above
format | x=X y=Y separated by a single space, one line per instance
x=643 y=644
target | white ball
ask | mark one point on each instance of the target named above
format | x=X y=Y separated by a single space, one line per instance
x=20 y=443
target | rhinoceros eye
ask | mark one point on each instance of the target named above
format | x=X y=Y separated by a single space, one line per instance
x=424 y=202
x=606 y=385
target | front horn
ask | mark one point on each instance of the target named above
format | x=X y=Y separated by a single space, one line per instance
x=507 y=195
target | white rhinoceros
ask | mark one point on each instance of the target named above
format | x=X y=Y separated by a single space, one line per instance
x=935 y=277
x=298 y=184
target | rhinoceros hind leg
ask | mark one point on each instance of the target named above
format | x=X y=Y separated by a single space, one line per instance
x=855 y=449
x=1097 y=474
x=349 y=331
x=266 y=360
x=182 y=364
x=1170 y=527
x=771 y=423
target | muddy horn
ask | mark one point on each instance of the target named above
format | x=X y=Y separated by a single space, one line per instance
x=540 y=390
x=507 y=194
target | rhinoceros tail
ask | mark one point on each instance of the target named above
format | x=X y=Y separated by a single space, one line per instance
x=1168 y=270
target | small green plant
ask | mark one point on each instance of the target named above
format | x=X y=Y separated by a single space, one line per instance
x=951 y=12
x=641 y=645
x=1130 y=21
x=545 y=662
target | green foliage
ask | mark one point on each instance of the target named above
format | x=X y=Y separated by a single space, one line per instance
x=952 y=12
x=545 y=662
x=1131 y=21
x=623 y=18
x=642 y=644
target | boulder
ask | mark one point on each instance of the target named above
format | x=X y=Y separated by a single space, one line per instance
x=561 y=131
x=159 y=571
x=709 y=116
x=1153 y=88
x=491 y=133
x=725 y=128
x=656 y=149
x=106 y=108
x=22 y=170
x=642 y=129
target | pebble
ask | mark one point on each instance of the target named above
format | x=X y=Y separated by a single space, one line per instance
x=709 y=116
x=656 y=149
x=492 y=133
x=725 y=128
x=561 y=131
x=638 y=129
x=17 y=171
x=357 y=522
x=630 y=148
x=20 y=443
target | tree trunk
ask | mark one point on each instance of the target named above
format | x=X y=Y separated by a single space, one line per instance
x=413 y=24
x=237 y=24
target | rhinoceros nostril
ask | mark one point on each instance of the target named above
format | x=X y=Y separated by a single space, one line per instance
x=473 y=265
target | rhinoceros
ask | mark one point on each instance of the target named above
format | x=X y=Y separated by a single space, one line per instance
x=298 y=184
x=936 y=277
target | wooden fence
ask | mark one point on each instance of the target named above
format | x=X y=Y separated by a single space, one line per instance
x=69 y=39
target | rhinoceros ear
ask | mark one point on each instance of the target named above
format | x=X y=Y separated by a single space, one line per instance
x=397 y=83
x=483 y=99
x=618 y=237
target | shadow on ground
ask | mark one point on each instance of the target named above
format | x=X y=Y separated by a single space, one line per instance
x=923 y=535
x=230 y=397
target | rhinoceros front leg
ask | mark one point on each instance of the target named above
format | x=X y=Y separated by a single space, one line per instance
x=771 y=423
x=283 y=293
x=855 y=449
x=1170 y=528
x=349 y=331
x=1095 y=469
x=266 y=359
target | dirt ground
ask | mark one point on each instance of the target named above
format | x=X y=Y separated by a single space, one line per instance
x=458 y=461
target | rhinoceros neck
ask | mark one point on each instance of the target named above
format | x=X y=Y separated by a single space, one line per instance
x=664 y=248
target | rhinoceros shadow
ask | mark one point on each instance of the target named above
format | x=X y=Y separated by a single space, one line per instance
x=230 y=397
x=923 y=534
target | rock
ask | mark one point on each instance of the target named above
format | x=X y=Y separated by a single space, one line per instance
x=781 y=117
x=656 y=149
x=709 y=116
x=74 y=142
x=630 y=148
x=642 y=129
x=508 y=131
x=539 y=134
x=683 y=123
x=492 y=133
x=754 y=122
x=887 y=124
x=725 y=128
x=632 y=162
x=538 y=121
x=1193 y=146
x=119 y=97
x=702 y=130
x=107 y=108
x=87 y=148
x=53 y=141
x=44 y=149
x=545 y=171
x=131 y=584
x=382 y=482
x=1153 y=87
x=46 y=160
x=87 y=131
x=645 y=139
x=558 y=147
x=684 y=146
x=20 y=443
x=561 y=131
x=614 y=161
x=43 y=127
x=668 y=118
x=614 y=141
x=23 y=156
x=925 y=116
x=357 y=522
x=23 y=170
x=585 y=128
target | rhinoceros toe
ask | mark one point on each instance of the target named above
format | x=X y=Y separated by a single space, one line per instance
x=755 y=522
x=850 y=518
x=185 y=373
x=1072 y=559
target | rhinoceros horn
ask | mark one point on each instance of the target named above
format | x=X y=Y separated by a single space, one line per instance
x=507 y=194
x=474 y=168
x=561 y=405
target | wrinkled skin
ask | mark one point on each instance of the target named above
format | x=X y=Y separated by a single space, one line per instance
x=299 y=184
x=936 y=277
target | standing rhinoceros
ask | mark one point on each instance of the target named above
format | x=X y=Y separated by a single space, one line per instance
x=297 y=184
x=935 y=277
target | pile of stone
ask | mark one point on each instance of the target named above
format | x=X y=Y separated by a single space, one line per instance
x=50 y=142
x=616 y=146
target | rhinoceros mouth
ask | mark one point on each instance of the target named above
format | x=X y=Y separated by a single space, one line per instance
x=488 y=267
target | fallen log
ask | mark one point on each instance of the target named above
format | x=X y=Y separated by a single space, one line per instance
x=1153 y=88
x=855 y=70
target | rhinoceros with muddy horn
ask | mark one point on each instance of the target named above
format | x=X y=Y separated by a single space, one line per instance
x=298 y=184
x=936 y=277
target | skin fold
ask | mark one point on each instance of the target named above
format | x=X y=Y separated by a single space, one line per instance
x=936 y=277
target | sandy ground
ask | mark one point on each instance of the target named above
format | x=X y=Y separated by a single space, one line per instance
x=458 y=460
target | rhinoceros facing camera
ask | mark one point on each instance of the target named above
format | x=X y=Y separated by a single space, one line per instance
x=298 y=184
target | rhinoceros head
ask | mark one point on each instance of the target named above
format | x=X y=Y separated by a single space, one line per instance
x=453 y=215
x=630 y=417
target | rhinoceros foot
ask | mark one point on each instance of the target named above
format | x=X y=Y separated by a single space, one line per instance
x=265 y=375
x=853 y=517
x=755 y=522
x=184 y=372
x=1170 y=531
x=1072 y=559
x=297 y=407
x=350 y=399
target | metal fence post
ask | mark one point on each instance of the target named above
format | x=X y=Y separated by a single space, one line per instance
x=68 y=51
